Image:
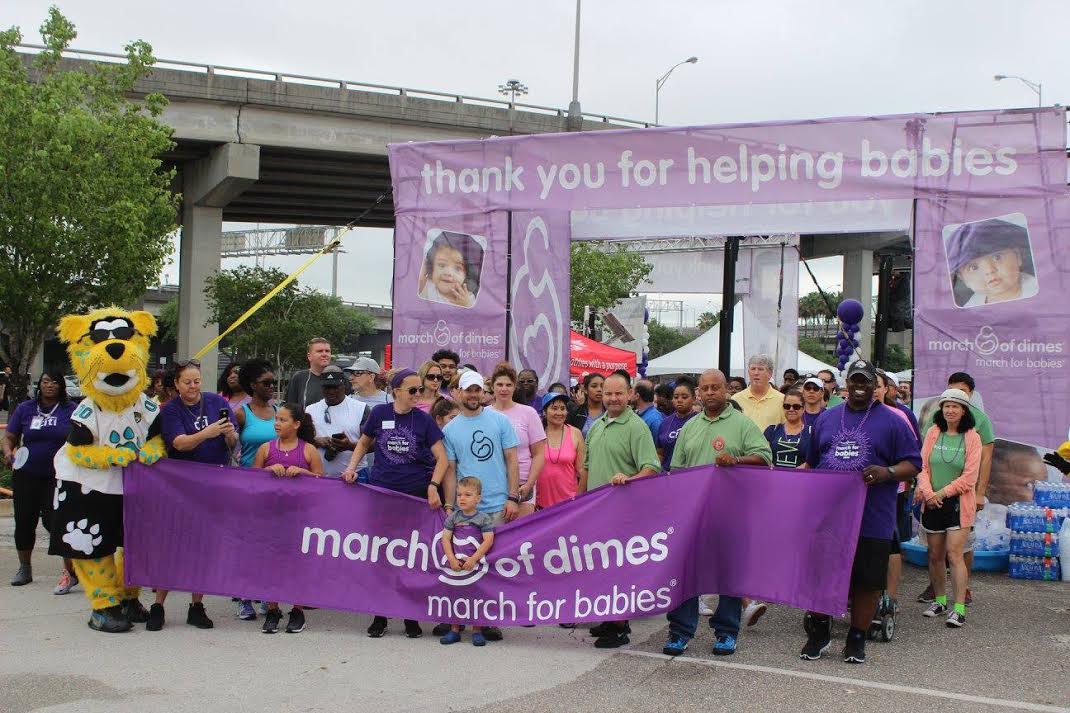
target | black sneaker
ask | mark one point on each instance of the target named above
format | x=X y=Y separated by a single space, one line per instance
x=295 y=623
x=155 y=620
x=271 y=621
x=198 y=617
x=927 y=596
x=440 y=629
x=608 y=627
x=613 y=640
x=817 y=643
x=854 y=651
x=956 y=620
x=412 y=629
x=134 y=611
x=492 y=633
x=109 y=620
x=378 y=627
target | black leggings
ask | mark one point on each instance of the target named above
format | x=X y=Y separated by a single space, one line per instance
x=33 y=500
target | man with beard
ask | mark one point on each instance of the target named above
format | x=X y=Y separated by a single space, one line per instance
x=482 y=443
x=867 y=436
x=447 y=361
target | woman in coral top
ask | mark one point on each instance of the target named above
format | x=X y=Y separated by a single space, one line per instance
x=951 y=458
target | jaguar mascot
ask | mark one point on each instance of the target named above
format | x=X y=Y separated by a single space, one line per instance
x=114 y=424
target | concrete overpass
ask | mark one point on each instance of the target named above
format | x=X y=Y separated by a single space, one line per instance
x=258 y=146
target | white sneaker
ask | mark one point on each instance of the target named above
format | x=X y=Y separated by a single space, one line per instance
x=753 y=613
x=704 y=608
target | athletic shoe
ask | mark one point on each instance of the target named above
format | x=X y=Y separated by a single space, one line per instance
x=478 y=639
x=412 y=629
x=156 y=618
x=109 y=621
x=198 y=617
x=704 y=608
x=440 y=629
x=264 y=608
x=927 y=596
x=675 y=646
x=753 y=613
x=271 y=621
x=613 y=640
x=935 y=609
x=725 y=645
x=134 y=611
x=246 y=612
x=854 y=651
x=608 y=627
x=23 y=576
x=969 y=597
x=570 y=625
x=295 y=622
x=66 y=583
x=378 y=627
x=492 y=633
x=817 y=643
x=450 y=637
x=955 y=620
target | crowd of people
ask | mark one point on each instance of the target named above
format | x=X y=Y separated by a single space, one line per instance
x=491 y=449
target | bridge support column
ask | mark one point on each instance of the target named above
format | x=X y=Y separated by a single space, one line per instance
x=207 y=186
x=858 y=283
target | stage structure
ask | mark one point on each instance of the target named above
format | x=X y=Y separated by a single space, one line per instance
x=483 y=230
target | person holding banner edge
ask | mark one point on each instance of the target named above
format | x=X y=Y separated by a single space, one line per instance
x=863 y=435
x=722 y=435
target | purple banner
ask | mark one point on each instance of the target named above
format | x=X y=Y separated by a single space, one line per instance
x=539 y=290
x=991 y=280
x=981 y=153
x=780 y=536
x=450 y=276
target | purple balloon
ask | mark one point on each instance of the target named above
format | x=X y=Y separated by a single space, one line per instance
x=850 y=311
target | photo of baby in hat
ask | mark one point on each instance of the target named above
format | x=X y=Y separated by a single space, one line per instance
x=452 y=266
x=990 y=261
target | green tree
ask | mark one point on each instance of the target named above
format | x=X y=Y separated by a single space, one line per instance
x=603 y=273
x=167 y=320
x=813 y=307
x=814 y=347
x=85 y=207
x=895 y=359
x=708 y=320
x=279 y=331
x=662 y=339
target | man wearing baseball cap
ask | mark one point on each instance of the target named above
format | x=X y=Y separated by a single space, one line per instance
x=337 y=421
x=865 y=436
x=362 y=373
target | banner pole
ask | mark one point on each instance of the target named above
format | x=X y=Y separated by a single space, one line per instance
x=509 y=285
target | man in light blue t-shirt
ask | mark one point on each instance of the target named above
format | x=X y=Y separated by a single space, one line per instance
x=483 y=444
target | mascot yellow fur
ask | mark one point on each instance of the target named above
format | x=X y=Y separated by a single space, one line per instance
x=114 y=424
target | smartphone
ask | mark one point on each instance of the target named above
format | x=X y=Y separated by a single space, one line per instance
x=338 y=436
x=224 y=413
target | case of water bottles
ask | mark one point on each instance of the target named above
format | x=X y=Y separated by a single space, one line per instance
x=1040 y=568
x=1050 y=494
x=1035 y=544
x=1039 y=532
x=1029 y=517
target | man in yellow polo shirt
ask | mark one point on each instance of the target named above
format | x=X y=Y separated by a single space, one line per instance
x=760 y=401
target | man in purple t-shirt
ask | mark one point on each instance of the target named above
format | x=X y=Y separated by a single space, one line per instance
x=868 y=437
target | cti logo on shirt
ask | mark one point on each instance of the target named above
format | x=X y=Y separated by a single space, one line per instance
x=718 y=443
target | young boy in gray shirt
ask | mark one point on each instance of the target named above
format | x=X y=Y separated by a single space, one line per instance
x=469 y=493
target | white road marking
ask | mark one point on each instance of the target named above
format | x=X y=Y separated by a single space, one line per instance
x=861 y=683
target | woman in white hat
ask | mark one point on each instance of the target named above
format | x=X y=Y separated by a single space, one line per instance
x=951 y=458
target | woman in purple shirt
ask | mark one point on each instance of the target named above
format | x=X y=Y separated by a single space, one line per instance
x=683 y=405
x=42 y=425
x=197 y=426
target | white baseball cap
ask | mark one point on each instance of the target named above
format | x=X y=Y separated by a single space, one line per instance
x=471 y=378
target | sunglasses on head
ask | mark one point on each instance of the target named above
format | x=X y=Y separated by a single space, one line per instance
x=792 y=407
x=415 y=390
x=182 y=364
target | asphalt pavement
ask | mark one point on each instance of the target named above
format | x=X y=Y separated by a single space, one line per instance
x=1013 y=654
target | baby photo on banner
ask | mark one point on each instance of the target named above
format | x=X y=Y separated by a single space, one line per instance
x=990 y=261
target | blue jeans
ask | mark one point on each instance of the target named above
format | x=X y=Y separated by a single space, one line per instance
x=683 y=620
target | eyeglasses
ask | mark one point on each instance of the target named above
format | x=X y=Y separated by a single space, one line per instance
x=434 y=377
x=415 y=390
x=792 y=407
x=359 y=373
x=527 y=381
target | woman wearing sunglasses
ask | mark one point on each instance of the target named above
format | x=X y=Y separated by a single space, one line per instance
x=791 y=439
x=256 y=419
x=430 y=382
x=410 y=458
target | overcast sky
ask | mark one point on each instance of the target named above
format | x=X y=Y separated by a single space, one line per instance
x=759 y=61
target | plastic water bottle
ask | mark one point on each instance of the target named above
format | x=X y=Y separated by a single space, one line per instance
x=1064 y=548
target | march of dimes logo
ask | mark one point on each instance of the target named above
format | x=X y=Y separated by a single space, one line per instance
x=545 y=329
x=990 y=350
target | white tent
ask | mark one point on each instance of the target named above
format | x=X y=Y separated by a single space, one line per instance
x=702 y=353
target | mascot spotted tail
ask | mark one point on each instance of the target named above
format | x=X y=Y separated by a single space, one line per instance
x=114 y=425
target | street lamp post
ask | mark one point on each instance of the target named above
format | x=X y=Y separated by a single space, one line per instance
x=513 y=87
x=661 y=83
x=574 y=121
x=1035 y=86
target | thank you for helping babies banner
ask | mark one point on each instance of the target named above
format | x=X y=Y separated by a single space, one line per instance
x=469 y=277
x=613 y=553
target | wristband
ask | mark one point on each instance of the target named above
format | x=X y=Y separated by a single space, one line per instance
x=433 y=484
x=514 y=499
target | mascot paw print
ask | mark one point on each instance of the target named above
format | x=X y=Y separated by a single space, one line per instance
x=58 y=496
x=81 y=539
x=150 y=452
x=121 y=457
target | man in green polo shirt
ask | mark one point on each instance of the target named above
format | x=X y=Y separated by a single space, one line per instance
x=721 y=435
x=619 y=449
x=983 y=425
